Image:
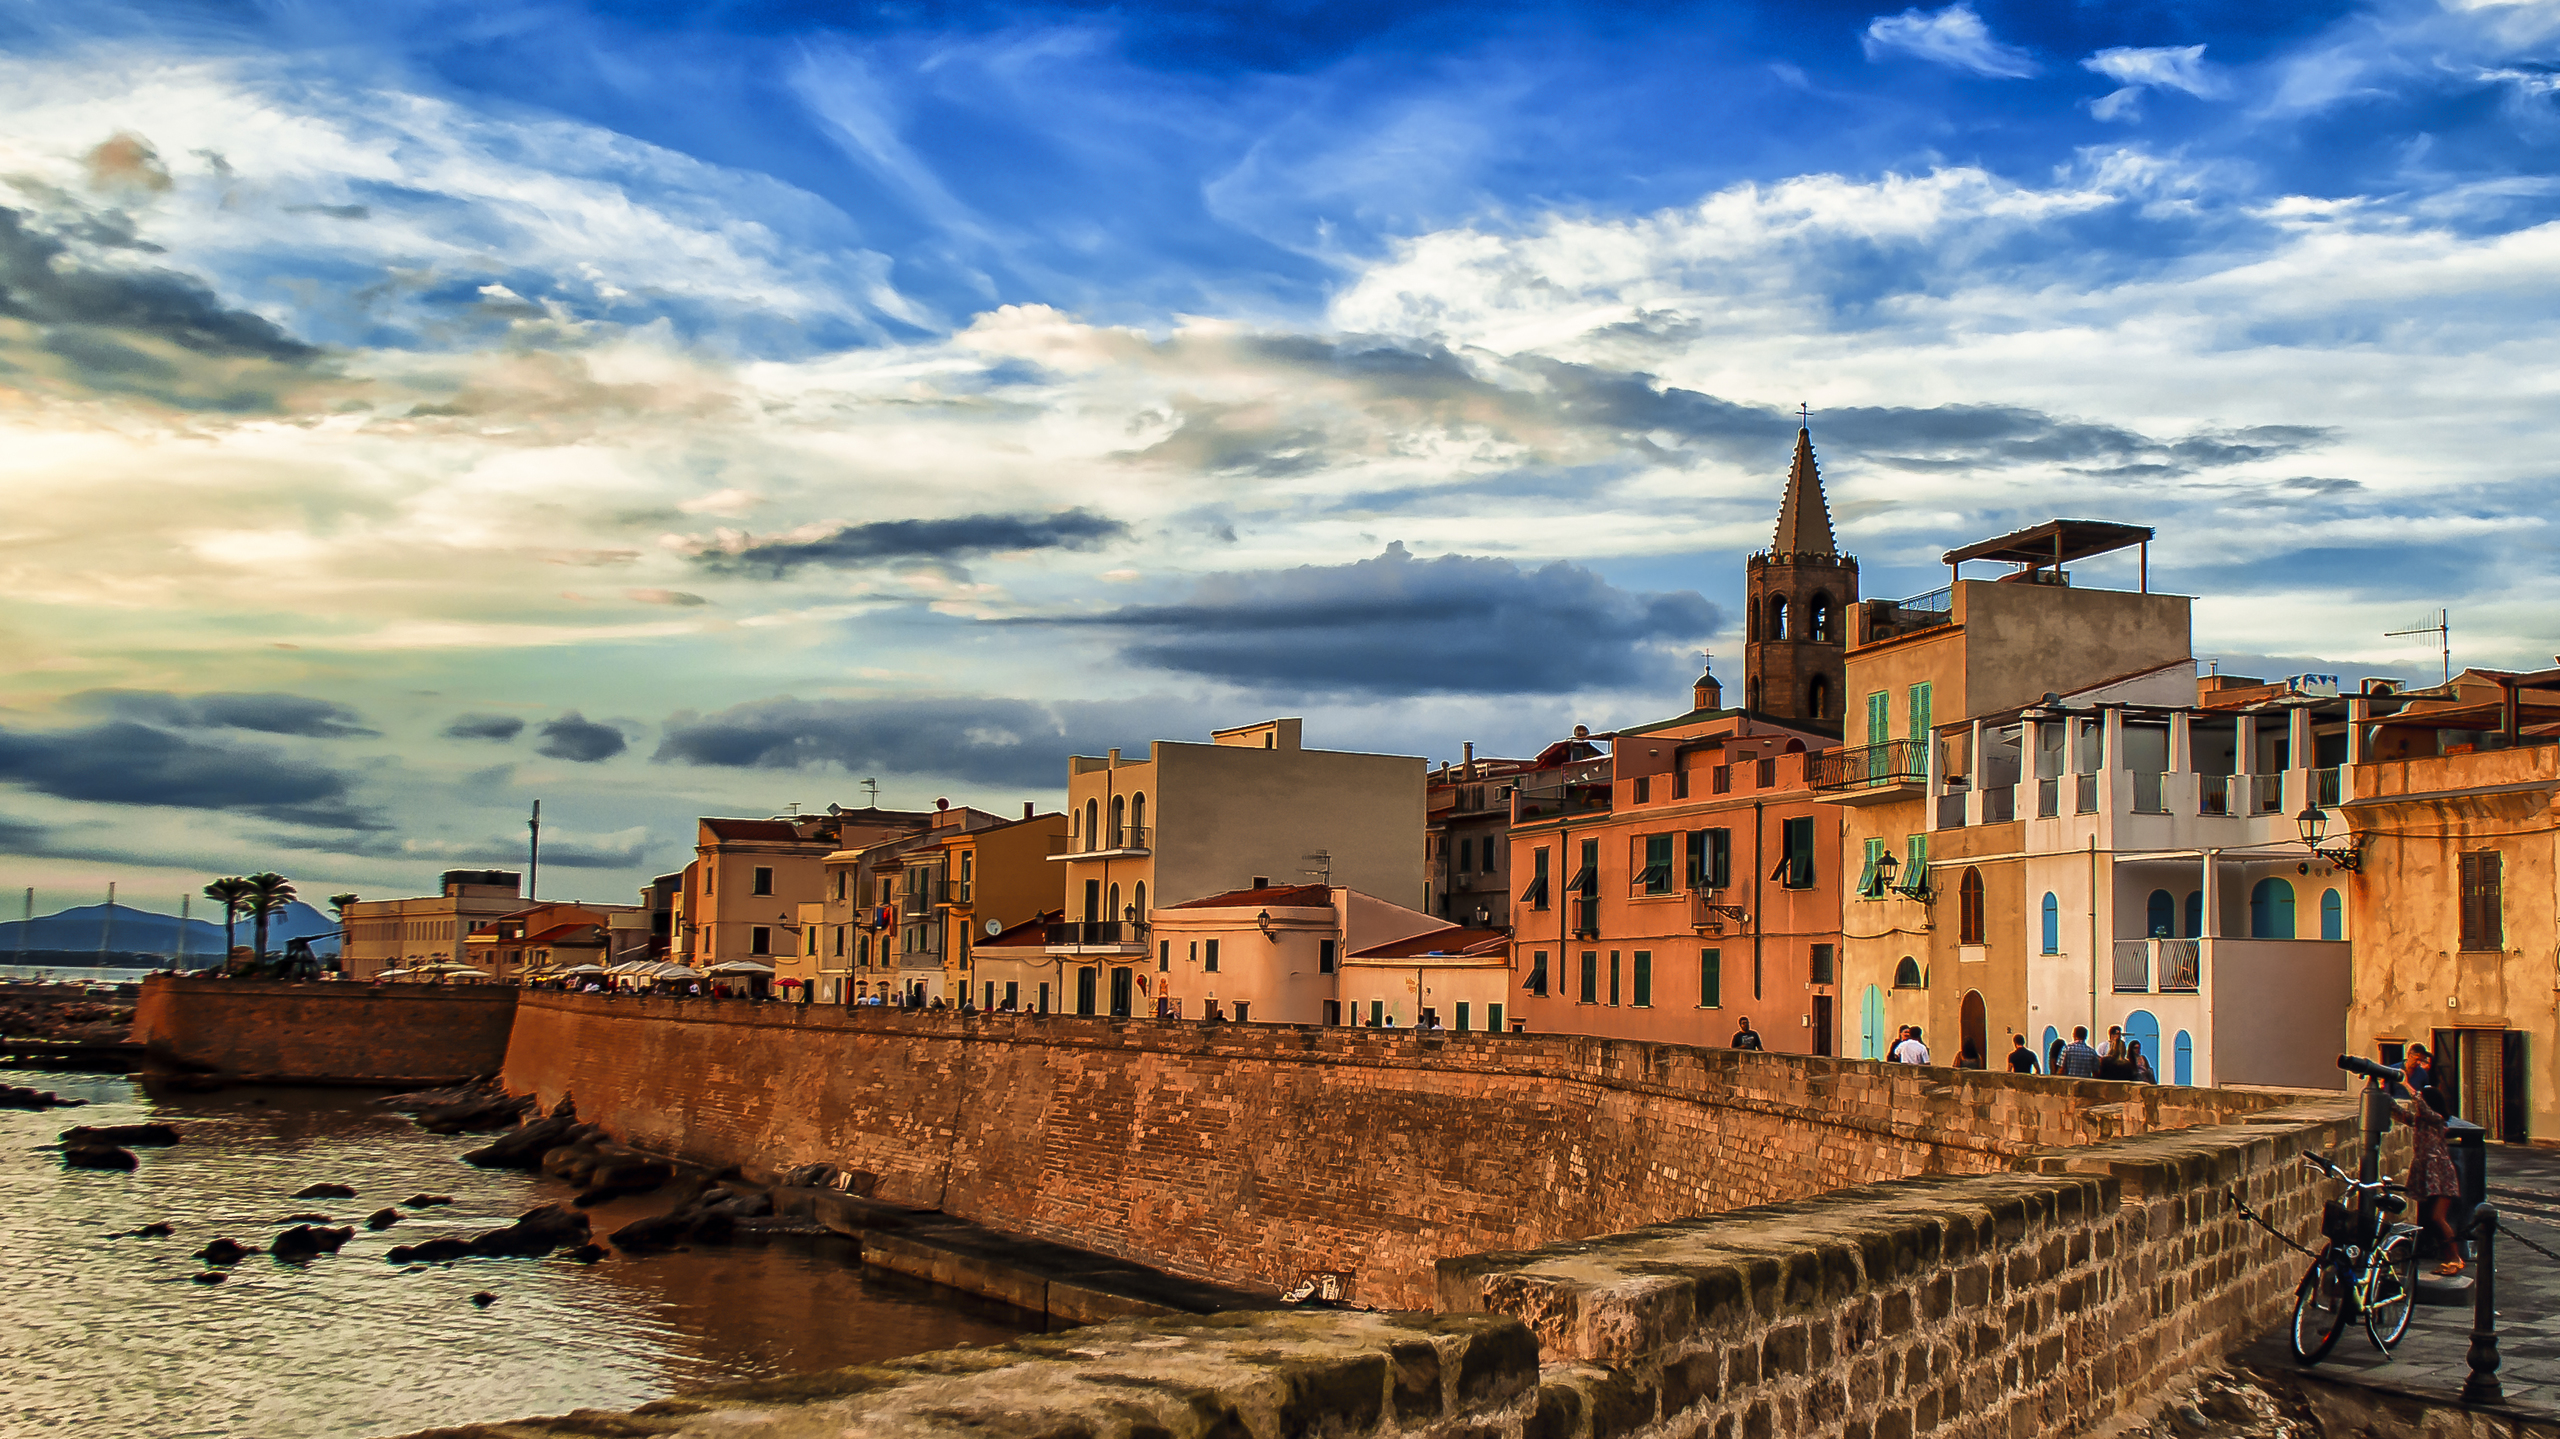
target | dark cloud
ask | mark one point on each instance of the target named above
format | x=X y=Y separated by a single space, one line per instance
x=1397 y=624
x=121 y=762
x=497 y=853
x=575 y=737
x=990 y=741
x=966 y=535
x=334 y=212
x=41 y=282
x=265 y=713
x=477 y=726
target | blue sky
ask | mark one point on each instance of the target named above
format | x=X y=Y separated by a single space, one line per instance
x=742 y=400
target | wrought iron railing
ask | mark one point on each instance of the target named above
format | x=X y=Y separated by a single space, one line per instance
x=1096 y=932
x=2266 y=794
x=2178 y=963
x=1899 y=761
x=2133 y=966
x=2213 y=794
x=2150 y=793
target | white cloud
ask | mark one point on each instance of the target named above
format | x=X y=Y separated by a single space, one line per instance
x=2161 y=67
x=1954 y=37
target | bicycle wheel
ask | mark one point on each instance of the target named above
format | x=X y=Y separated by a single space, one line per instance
x=2391 y=1290
x=2319 y=1310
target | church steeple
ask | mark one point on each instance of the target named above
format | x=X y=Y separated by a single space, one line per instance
x=1804 y=516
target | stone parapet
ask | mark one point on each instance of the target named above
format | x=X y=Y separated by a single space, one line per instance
x=325 y=1032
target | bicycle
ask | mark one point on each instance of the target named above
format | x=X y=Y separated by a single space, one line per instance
x=2369 y=1267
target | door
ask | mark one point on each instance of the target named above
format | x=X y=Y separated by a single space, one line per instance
x=2184 y=1061
x=1974 y=1027
x=1822 y=1024
x=2143 y=1027
x=1120 y=989
x=1084 y=990
x=1871 y=1024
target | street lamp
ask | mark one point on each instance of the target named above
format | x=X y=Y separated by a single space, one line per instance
x=1887 y=867
x=2314 y=824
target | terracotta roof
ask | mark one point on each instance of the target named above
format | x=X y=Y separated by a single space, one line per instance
x=764 y=829
x=1288 y=896
x=1455 y=940
x=1033 y=931
x=560 y=933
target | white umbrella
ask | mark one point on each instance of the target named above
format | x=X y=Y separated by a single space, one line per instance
x=393 y=974
x=461 y=971
x=741 y=966
x=674 y=971
x=586 y=969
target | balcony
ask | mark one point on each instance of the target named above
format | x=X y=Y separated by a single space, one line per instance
x=2174 y=963
x=2000 y=804
x=951 y=893
x=1125 y=841
x=2266 y=794
x=1097 y=936
x=1870 y=774
x=1892 y=619
x=1951 y=809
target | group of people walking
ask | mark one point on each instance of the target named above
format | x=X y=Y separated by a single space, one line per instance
x=2076 y=1058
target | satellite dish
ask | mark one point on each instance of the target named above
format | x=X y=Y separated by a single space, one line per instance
x=994 y=928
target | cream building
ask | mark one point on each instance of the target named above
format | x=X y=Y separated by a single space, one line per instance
x=431 y=929
x=1250 y=809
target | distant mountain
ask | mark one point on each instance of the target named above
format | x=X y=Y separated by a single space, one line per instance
x=123 y=927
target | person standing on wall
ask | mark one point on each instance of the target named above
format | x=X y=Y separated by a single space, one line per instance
x=2022 y=1060
x=1746 y=1037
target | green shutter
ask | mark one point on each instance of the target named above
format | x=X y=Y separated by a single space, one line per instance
x=1867 y=880
x=1915 y=862
x=1711 y=979
x=1644 y=977
x=1879 y=717
x=1920 y=717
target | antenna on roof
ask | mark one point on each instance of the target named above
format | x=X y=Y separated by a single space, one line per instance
x=2442 y=629
x=1322 y=869
x=872 y=788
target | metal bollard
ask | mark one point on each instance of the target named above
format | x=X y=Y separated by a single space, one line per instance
x=2482 y=1386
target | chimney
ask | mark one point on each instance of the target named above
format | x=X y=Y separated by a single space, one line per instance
x=1471 y=759
x=1027 y=810
x=1262 y=881
x=1582 y=731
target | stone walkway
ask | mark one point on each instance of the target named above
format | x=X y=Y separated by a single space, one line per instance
x=2434 y=1359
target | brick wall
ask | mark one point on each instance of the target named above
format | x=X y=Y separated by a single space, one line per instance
x=2021 y=1304
x=1250 y=1154
x=393 y=1034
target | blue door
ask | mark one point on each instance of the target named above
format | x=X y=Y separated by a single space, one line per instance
x=2052 y=1038
x=1871 y=1024
x=2333 y=919
x=2143 y=1027
x=2183 y=1064
x=2271 y=909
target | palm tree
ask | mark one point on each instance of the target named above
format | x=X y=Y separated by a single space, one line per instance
x=228 y=893
x=267 y=893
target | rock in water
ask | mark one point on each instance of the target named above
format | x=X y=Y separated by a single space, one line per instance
x=434 y=1251
x=537 y=1233
x=13 y=1097
x=324 y=1191
x=587 y=1253
x=223 y=1251
x=211 y=1276
x=524 y=1148
x=97 y=1156
x=381 y=1219
x=427 y=1201
x=307 y=1219
x=484 y=1299
x=120 y=1134
x=158 y=1229
x=303 y=1241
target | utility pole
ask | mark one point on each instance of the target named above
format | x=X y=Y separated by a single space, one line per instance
x=533 y=867
x=107 y=926
x=27 y=922
x=185 y=903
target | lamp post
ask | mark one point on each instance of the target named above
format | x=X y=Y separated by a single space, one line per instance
x=1888 y=868
x=2314 y=824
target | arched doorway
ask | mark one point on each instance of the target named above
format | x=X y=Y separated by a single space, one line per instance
x=2052 y=1051
x=1121 y=991
x=2271 y=909
x=1818 y=617
x=2182 y=1063
x=2160 y=916
x=1871 y=1024
x=2333 y=916
x=2143 y=1027
x=1973 y=1023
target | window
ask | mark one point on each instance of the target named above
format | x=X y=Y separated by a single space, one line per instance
x=1538 y=972
x=1969 y=907
x=1644 y=789
x=1333 y=1011
x=1915 y=862
x=1655 y=876
x=2484 y=920
x=810 y=940
x=1917 y=703
x=1711 y=979
x=1466 y=856
x=1164 y=956
x=1766 y=773
x=839 y=941
x=1324 y=956
x=2052 y=923
x=1823 y=956
x=1870 y=883
x=1818 y=618
x=2271 y=909
x=764 y=880
x=1013 y=993
x=1906 y=975
x=759 y=940
x=710 y=881
x=1535 y=896
x=1777 y=617
x=2195 y=914
x=839 y=884
x=1817 y=697
x=1209 y=956
x=2160 y=915
x=1710 y=858
x=1462 y=1016
x=1586 y=889
x=1679 y=784
x=1797 y=868
x=1377 y=1013
x=1644 y=979
x=1879 y=721
x=1493 y=1019
x=1240 y=1005
x=1721 y=780
x=1613 y=976
x=1591 y=976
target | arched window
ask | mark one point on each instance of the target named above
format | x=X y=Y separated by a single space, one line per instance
x=1138 y=901
x=2160 y=919
x=2333 y=918
x=1777 y=617
x=1119 y=820
x=1751 y=612
x=1817 y=697
x=1906 y=975
x=2195 y=915
x=1115 y=913
x=1969 y=907
x=1138 y=818
x=2271 y=909
x=1092 y=824
x=2182 y=1060
x=2052 y=923
x=1818 y=619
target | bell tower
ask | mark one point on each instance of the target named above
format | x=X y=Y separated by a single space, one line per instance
x=1798 y=594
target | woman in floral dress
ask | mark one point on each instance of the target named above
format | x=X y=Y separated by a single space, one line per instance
x=2433 y=1181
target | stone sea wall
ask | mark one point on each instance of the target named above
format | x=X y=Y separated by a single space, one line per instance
x=1250 y=1155
x=411 y=1035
